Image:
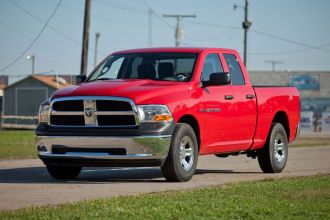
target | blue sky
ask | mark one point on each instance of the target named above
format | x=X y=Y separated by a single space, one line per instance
x=123 y=24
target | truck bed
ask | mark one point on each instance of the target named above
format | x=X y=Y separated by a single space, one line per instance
x=272 y=100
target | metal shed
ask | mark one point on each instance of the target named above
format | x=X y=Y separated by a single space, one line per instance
x=21 y=100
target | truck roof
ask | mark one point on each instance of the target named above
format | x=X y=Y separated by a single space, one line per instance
x=170 y=49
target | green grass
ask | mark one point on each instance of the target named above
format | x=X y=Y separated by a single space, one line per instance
x=311 y=142
x=290 y=198
x=17 y=144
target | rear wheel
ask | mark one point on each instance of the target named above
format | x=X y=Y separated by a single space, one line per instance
x=180 y=164
x=62 y=172
x=273 y=157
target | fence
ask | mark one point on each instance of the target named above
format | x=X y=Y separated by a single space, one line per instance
x=14 y=124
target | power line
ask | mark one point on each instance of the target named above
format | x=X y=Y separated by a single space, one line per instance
x=204 y=23
x=35 y=39
x=103 y=18
x=289 y=41
x=123 y=7
x=23 y=35
x=160 y=17
x=290 y=51
x=42 y=22
x=274 y=63
x=225 y=32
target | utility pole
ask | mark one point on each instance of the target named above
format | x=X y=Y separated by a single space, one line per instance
x=178 y=29
x=84 y=53
x=97 y=35
x=32 y=58
x=150 y=27
x=274 y=63
x=246 y=25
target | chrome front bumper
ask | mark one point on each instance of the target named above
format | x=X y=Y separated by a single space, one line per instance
x=139 y=150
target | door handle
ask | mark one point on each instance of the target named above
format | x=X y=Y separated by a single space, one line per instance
x=250 y=96
x=229 y=97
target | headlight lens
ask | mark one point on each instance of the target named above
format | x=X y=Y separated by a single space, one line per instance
x=154 y=113
x=43 y=113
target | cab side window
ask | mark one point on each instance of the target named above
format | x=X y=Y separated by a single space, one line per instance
x=212 y=64
x=234 y=69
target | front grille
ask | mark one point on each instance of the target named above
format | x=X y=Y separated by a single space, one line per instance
x=105 y=120
x=93 y=111
x=69 y=105
x=111 y=105
x=75 y=120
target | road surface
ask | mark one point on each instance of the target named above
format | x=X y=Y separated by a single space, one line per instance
x=26 y=183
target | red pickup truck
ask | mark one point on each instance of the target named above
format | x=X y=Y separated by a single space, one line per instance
x=164 y=107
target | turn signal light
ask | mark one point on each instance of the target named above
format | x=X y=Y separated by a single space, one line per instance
x=160 y=118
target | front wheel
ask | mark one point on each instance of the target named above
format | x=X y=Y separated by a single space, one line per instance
x=62 y=172
x=274 y=155
x=180 y=164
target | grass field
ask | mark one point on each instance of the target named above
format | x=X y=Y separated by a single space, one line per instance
x=19 y=144
x=290 y=198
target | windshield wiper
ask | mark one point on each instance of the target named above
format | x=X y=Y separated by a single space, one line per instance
x=105 y=78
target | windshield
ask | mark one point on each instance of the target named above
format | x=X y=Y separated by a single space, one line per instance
x=154 y=66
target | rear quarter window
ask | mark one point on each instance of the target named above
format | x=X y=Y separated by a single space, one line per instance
x=235 y=70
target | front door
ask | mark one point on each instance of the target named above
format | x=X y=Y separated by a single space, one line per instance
x=217 y=109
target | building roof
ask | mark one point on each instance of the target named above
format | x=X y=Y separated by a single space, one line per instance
x=2 y=86
x=52 y=81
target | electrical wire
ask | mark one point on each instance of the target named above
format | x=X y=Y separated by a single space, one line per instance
x=160 y=17
x=34 y=40
x=289 y=41
x=42 y=22
x=203 y=23
x=225 y=32
x=289 y=51
x=102 y=18
x=23 y=35
x=122 y=7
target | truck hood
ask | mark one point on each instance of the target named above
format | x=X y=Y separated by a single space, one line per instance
x=140 y=91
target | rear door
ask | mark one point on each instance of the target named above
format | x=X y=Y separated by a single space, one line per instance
x=244 y=106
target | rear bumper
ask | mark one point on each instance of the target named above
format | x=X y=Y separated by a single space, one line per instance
x=79 y=150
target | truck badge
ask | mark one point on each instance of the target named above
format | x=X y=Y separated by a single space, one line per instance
x=88 y=111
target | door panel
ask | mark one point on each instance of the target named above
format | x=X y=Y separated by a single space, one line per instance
x=245 y=106
x=217 y=109
x=218 y=119
x=244 y=113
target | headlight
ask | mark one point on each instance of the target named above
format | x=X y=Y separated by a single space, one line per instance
x=44 y=113
x=154 y=113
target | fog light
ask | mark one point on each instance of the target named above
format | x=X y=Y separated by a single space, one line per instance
x=42 y=148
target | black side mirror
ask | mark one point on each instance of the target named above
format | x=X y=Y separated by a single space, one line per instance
x=218 y=78
x=80 y=78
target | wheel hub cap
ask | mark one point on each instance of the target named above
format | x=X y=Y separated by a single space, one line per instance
x=279 y=149
x=186 y=153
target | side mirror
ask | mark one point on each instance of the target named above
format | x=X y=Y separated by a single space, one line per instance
x=80 y=78
x=218 y=78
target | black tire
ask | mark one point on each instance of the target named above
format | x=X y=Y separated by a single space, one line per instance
x=173 y=169
x=62 y=172
x=273 y=156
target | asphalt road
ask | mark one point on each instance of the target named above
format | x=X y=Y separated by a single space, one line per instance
x=26 y=183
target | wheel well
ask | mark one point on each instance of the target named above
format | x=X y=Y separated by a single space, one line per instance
x=281 y=117
x=192 y=121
